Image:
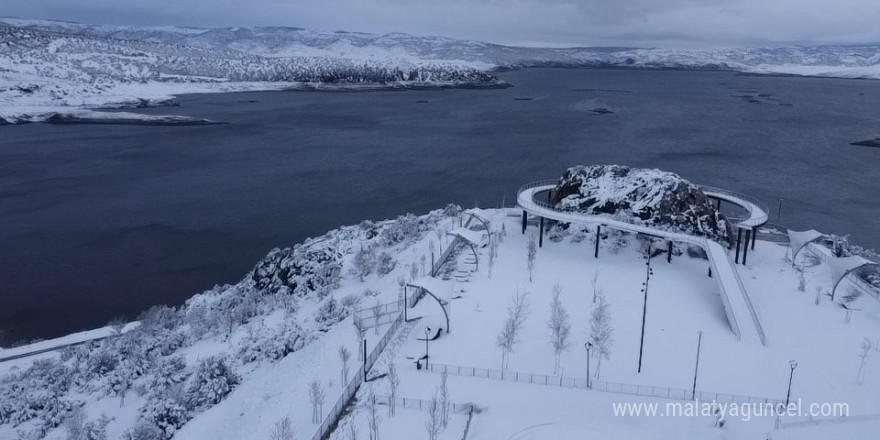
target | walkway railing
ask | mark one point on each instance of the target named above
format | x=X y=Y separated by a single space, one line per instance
x=750 y=220
x=753 y=219
x=598 y=385
x=350 y=390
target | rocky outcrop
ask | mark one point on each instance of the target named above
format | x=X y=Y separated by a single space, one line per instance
x=648 y=197
x=300 y=270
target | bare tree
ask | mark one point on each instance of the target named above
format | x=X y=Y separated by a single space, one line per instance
x=559 y=326
x=444 y=399
x=433 y=422
x=510 y=332
x=802 y=281
x=413 y=271
x=373 y=411
x=352 y=429
x=864 y=354
x=116 y=325
x=344 y=356
x=377 y=312
x=401 y=294
x=532 y=253
x=393 y=385
x=361 y=330
x=316 y=397
x=493 y=251
x=283 y=430
x=601 y=333
x=597 y=289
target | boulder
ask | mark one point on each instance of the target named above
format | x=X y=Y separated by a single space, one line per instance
x=647 y=197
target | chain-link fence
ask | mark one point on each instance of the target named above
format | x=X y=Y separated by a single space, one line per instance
x=598 y=385
x=422 y=404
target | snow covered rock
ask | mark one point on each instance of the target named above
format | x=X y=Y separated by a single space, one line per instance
x=302 y=269
x=649 y=197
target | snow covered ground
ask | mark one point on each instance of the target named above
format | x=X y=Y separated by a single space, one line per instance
x=682 y=300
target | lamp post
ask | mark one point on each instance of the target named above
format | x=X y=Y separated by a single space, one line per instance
x=427 y=339
x=588 y=346
x=648 y=273
x=697 y=365
x=793 y=365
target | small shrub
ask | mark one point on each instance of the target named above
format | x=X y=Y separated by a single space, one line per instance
x=330 y=312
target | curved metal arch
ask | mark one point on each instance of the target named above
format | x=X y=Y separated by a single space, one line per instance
x=847 y=273
x=439 y=301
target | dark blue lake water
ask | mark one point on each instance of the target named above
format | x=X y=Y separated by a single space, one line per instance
x=101 y=221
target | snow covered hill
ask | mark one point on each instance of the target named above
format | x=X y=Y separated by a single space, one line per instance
x=47 y=69
x=236 y=361
x=47 y=65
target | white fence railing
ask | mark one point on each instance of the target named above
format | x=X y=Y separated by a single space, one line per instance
x=598 y=385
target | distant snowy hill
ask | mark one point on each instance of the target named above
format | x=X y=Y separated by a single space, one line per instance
x=49 y=64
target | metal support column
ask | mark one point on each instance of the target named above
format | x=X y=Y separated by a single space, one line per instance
x=598 y=237
x=746 y=247
x=669 y=251
x=754 y=237
x=525 y=216
x=739 y=234
x=541 y=232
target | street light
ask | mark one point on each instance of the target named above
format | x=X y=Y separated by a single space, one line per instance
x=648 y=272
x=588 y=346
x=697 y=365
x=427 y=339
x=793 y=365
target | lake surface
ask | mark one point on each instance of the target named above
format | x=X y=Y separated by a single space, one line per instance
x=102 y=221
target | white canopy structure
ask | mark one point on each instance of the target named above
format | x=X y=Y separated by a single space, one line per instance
x=841 y=267
x=798 y=239
x=480 y=215
x=474 y=239
x=440 y=290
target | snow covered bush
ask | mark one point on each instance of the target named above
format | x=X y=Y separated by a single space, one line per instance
x=364 y=261
x=78 y=428
x=168 y=415
x=160 y=317
x=406 y=229
x=370 y=229
x=329 y=313
x=385 y=263
x=102 y=362
x=144 y=431
x=212 y=380
x=170 y=372
x=272 y=344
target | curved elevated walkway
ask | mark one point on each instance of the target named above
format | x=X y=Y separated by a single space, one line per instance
x=737 y=305
x=758 y=214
